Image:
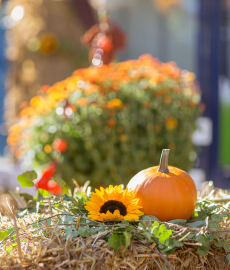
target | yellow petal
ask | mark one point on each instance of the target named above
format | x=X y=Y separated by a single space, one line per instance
x=109 y=215
x=105 y=196
x=93 y=217
x=97 y=199
x=136 y=212
x=98 y=192
x=117 y=215
x=93 y=205
x=88 y=208
x=96 y=213
x=131 y=217
x=131 y=207
x=116 y=212
x=102 y=190
x=118 y=196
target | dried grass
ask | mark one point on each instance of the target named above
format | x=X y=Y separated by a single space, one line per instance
x=55 y=252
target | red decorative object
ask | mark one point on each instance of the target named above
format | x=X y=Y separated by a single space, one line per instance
x=53 y=187
x=60 y=145
x=103 y=42
x=47 y=174
x=46 y=183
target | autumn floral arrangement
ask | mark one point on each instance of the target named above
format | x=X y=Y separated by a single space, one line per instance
x=104 y=124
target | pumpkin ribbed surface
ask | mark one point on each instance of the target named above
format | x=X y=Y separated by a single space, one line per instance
x=167 y=196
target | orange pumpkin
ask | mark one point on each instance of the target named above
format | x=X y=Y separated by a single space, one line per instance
x=164 y=191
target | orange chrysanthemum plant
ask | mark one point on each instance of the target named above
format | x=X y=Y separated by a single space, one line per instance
x=113 y=203
x=105 y=124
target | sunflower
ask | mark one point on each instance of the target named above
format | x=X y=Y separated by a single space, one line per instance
x=113 y=203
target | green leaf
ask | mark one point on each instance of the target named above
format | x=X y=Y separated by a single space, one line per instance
x=196 y=224
x=162 y=228
x=155 y=230
x=219 y=217
x=214 y=225
x=27 y=196
x=167 y=250
x=10 y=230
x=68 y=232
x=67 y=198
x=165 y=236
x=203 y=239
x=161 y=247
x=211 y=236
x=226 y=246
x=8 y=249
x=125 y=222
x=128 y=237
x=59 y=181
x=48 y=221
x=26 y=178
x=93 y=231
x=40 y=193
x=116 y=241
x=64 y=216
x=4 y=234
x=201 y=252
x=101 y=229
x=149 y=218
x=178 y=221
x=218 y=243
x=178 y=244
x=74 y=234
x=155 y=224
x=83 y=231
x=228 y=257
x=69 y=219
x=147 y=235
x=43 y=192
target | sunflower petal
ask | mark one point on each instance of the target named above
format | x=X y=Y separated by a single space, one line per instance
x=131 y=217
x=97 y=199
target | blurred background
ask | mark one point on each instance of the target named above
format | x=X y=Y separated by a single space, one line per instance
x=41 y=43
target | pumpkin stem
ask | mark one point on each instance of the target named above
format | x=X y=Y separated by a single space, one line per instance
x=163 y=167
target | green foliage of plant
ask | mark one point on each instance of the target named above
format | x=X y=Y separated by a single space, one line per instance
x=59 y=181
x=120 y=127
x=26 y=179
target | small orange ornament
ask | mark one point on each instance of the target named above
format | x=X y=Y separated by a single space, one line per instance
x=165 y=192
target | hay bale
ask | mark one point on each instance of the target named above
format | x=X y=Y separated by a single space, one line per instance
x=54 y=251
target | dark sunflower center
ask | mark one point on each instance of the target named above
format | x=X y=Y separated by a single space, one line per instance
x=112 y=206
